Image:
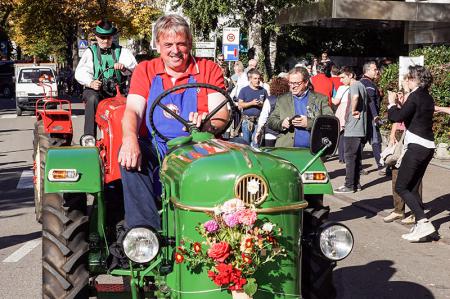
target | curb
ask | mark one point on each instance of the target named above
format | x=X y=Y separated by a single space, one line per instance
x=438 y=163
x=377 y=212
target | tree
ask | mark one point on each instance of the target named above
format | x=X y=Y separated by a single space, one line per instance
x=258 y=16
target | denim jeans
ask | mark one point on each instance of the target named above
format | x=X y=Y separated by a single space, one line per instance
x=247 y=134
x=140 y=190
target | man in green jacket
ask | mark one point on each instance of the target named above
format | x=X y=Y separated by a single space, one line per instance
x=295 y=111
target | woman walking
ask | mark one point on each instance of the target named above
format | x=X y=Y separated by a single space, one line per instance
x=417 y=114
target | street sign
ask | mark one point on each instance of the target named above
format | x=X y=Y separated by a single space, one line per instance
x=83 y=44
x=230 y=52
x=205 y=45
x=230 y=36
x=230 y=42
x=199 y=52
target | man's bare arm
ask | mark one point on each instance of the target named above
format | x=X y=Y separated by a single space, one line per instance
x=130 y=154
x=220 y=119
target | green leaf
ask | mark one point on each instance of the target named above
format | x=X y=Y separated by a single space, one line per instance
x=250 y=287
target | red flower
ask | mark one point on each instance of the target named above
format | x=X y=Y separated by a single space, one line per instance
x=246 y=259
x=219 y=251
x=179 y=258
x=248 y=243
x=197 y=247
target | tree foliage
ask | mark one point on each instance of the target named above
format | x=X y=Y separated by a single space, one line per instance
x=47 y=27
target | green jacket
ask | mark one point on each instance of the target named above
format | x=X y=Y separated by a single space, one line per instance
x=317 y=105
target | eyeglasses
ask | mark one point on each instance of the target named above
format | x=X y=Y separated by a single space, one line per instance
x=295 y=84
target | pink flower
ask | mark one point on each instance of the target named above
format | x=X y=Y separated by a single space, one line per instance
x=246 y=217
x=231 y=219
x=211 y=226
x=232 y=205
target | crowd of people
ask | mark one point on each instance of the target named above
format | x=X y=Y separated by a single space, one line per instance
x=277 y=113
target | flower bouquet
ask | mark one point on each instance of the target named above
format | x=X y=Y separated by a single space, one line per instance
x=235 y=244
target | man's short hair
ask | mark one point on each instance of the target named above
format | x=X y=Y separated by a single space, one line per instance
x=172 y=23
x=253 y=72
x=300 y=70
x=367 y=65
x=348 y=71
x=335 y=70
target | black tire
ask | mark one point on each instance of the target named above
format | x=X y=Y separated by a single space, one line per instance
x=64 y=246
x=317 y=271
x=41 y=142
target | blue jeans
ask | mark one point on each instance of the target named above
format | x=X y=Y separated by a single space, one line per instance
x=141 y=189
x=247 y=134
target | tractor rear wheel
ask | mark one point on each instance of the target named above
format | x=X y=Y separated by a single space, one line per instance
x=64 y=246
x=41 y=142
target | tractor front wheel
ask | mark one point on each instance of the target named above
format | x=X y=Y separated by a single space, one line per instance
x=64 y=246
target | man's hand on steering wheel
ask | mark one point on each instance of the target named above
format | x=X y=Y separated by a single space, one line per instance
x=197 y=118
x=119 y=66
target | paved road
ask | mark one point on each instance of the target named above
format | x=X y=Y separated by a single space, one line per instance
x=381 y=266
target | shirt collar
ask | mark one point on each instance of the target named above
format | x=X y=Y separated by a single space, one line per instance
x=192 y=68
x=302 y=95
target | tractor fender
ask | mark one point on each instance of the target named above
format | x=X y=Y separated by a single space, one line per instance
x=84 y=159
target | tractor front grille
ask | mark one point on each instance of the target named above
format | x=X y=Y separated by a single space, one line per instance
x=251 y=189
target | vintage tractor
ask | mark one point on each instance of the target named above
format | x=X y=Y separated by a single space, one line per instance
x=82 y=203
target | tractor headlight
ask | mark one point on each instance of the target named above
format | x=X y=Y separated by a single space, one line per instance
x=87 y=140
x=141 y=244
x=335 y=241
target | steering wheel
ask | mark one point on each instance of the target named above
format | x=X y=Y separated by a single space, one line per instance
x=108 y=85
x=189 y=125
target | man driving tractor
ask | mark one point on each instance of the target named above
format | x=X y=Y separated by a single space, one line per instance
x=102 y=61
x=138 y=156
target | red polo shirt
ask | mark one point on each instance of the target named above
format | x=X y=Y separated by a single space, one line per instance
x=322 y=84
x=203 y=70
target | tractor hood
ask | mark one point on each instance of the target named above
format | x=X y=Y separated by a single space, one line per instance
x=207 y=173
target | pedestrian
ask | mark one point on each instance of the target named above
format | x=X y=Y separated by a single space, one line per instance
x=341 y=101
x=322 y=84
x=397 y=131
x=417 y=114
x=335 y=79
x=139 y=155
x=355 y=131
x=250 y=101
x=370 y=73
x=94 y=62
x=295 y=111
x=278 y=87
x=240 y=78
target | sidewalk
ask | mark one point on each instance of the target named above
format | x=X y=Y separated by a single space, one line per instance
x=376 y=194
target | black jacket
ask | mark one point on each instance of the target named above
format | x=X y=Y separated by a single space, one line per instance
x=416 y=113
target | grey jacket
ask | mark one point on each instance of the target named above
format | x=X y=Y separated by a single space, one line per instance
x=317 y=105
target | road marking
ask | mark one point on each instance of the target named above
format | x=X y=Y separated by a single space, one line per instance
x=26 y=180
x=9 y=116
x=22 y=251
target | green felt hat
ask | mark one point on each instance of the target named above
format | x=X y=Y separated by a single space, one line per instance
x=105 y=28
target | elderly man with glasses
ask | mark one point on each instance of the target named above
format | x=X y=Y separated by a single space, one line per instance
x=294 y=112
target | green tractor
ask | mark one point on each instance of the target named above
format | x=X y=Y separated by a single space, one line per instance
x=82 y=204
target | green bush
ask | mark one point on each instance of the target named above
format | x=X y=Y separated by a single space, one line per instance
x=437 y=60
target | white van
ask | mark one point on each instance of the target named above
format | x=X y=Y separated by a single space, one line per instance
x=28 y=90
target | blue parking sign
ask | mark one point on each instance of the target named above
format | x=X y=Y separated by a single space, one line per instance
x=230 y=52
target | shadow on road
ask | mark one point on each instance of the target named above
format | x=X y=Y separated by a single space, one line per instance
x=371 y=281
x=12 y=198
x=436 y=207
x=9 y=241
